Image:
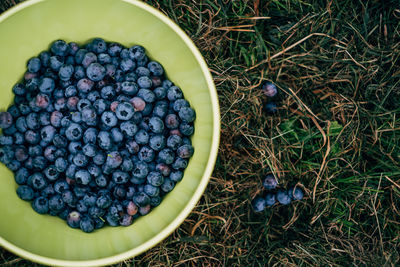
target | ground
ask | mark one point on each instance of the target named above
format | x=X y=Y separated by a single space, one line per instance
x=336 y=134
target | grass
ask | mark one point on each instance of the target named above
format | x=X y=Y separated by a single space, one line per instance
x=336 y=64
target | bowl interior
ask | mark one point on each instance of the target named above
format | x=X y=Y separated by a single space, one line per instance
x=30 y=30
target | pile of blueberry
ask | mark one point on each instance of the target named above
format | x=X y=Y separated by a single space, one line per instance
x=97 y=134
x=272 y=196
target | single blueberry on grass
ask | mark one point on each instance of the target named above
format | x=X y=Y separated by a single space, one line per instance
x=269 y=89
x=296 y=193
x=270 y=182
x=259 y=204
x=283 y=197
x=271 y=108
x=270 y=199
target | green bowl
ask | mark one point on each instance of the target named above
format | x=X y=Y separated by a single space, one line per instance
x=29 y=28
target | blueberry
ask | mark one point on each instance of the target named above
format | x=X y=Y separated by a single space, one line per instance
x=25 y=192
x=88 y=59
x=79 y=55
x=66 y=71
x=142 y=71
x=44 y=118
x=119 y=75
x=141 y=199
x=47 y=133
x=283 y=197
x=127 y=65
x=113 y=106
x=270 y=182
x=129 y=88
x=166 y=156
x=155 y=68
x=138 y=103
x=32 y=137
x=114 y=159
x=76 y=117
x=82 y=177
x=84 y=85
x=34 y=65
x=37 y=181
x=160 y=111
x=179 y=164
x=116 y=135
x=21 y=176
x=104 y=202
x=167 y=84
x=13 y=166
x=128 y=128
x=146 y=154
x=49 y=153
x=6 y=140
x=140 y=170
x=89 y=115
x=45 y=58
x=99 y=159
x=74 y=219
x=55 y=118
x=131 y=208
x=61 y=165
x=21 y=125
x=137 y=52
x=60 y=48
x=109 y=119
x=32 y=85
x=296 y=193
x=120 y=177
x=104 y=140
x=126 y=220
x=187 y=114
x=74 y=132
x=100 y=106
x=258 y=204
x=56 y=203
x=40 y=205
x=101 y=181
x=59 y=141
x=86 y=224
x=90 y=136
x=270 y=199
x=114 y=49
x=90 y=199
x=72 y=103
x=95 y=72
x=155 y=201
x=185 y=151
x=51 y=173
x=176 y=176
x=104 y=58
x=179 y=104
x=124 y=111
x=144 y=210
x=160 y=93
x=19 y=138
x=144 y=82
x=80 y=191
x=168 y=185
x=186 y=128
x=89 y=150
x=271 y=108
x=98 y=45
x=71 y=170
x=60 y=152
x=81 y=206
x=174 y=93
x=174 y=141
x=24 y=108
x=80 y=160
x=269 y=89
x=94 y=170
x=6 y=120
x=110 y=70
x=19 y=89
x=10 y=130
x=156 y=125
x=157 y=142
x=56 y=62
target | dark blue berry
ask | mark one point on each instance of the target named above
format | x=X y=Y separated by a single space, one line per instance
x=40 y=205
x=258 y=204
x=283 y=197
x=25 y=192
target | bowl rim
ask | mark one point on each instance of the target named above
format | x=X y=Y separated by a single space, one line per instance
x=203 y=182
